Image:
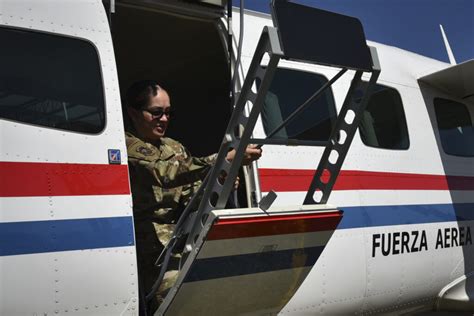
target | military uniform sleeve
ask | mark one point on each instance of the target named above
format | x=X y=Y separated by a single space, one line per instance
x=208 y=160
x=171 y=165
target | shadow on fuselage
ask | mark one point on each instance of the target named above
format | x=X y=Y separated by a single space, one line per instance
x=460 y=186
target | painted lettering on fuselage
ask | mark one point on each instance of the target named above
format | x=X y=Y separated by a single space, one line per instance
x=453 y=237
x=395 y=243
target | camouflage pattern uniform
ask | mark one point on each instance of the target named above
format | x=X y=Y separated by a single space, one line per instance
x=163 y=178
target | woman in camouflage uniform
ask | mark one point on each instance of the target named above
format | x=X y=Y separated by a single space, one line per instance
x=163 y=177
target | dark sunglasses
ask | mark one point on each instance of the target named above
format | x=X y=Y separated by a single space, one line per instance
x=158 y=113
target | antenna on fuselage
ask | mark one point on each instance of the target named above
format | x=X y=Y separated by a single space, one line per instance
x=452 y=61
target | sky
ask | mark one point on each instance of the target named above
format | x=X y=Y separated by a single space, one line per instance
x=408 y=24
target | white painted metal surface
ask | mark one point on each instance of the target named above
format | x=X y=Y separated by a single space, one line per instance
x=347 y=279
x=351 y=276
x=83 y=281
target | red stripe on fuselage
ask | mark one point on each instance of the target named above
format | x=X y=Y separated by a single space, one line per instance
x=299 y=180
x=229 y=228
x=61 y=179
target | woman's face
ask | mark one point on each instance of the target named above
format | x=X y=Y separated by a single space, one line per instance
x=152 y=121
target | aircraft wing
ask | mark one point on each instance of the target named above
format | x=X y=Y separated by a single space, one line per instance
x=457 y=81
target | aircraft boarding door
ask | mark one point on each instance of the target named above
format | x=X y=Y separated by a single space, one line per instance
x=252 y=261
x=66 y=225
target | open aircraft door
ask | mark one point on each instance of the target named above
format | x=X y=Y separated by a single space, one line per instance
x=252 y=261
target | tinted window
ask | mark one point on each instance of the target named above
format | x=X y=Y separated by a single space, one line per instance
x=455 y=127
x=50 y=81
x=289 y=89
x=383 y=124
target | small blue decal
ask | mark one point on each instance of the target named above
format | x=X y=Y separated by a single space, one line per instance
x=114 y=156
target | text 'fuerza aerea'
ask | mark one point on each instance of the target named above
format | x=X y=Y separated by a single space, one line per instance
x=395 y=243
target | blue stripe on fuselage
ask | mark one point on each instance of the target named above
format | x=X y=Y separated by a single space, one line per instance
x=17 y=238
x=21 y=238
x=386 y=215
x=354 y=217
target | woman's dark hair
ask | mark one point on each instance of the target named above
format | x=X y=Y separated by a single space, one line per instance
x=139 y=93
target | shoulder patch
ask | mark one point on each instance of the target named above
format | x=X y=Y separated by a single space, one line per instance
x=138 y=149
x=145 y=151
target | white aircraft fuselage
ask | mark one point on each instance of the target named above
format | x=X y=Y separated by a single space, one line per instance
x=404 y=243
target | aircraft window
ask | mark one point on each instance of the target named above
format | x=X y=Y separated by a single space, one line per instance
x=455 y=127
x=383 y=123
x=50 y=81
x=288 y=90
